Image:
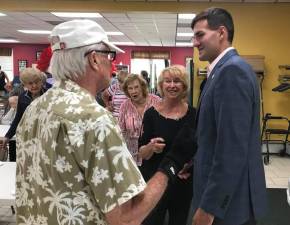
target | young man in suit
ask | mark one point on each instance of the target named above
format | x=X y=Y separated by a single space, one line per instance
x=229 y=179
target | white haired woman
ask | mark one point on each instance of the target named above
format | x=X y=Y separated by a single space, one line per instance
x=32 y=80
x=132 y=111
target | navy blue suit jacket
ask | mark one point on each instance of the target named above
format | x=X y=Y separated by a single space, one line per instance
x=229 y=179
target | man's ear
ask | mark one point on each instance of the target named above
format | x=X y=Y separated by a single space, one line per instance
x=222 y=31
x=93 y=60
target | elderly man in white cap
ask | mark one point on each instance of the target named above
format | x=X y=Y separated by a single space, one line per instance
x=73 y=166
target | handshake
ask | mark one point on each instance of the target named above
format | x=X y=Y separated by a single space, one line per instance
x=182 y=150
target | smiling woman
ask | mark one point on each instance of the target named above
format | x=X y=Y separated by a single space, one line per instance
x=162 y=125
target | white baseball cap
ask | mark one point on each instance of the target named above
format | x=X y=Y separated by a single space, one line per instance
x=79 y=33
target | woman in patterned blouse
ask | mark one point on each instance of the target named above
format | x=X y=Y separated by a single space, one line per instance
x=132 y=111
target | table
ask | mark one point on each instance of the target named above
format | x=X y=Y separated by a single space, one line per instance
x=7 y=187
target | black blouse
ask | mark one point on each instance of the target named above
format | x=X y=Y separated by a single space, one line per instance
x=156 y=125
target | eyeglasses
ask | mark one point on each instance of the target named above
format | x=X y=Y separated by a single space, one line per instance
x=34 y=82
x=111 y=54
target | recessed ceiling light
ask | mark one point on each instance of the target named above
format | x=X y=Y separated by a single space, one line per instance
x=77 y=14
x=2 y=14
x=186 y=16
x=123 y=43
x=114 y=33
x=184 y=44
x=35 y=31
x=184 y=34
x=6 y=40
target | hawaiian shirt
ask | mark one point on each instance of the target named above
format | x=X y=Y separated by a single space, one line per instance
x=73 y=165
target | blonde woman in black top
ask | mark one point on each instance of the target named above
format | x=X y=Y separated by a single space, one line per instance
x=161 y=126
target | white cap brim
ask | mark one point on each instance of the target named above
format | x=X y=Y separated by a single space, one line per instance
x=113 y=47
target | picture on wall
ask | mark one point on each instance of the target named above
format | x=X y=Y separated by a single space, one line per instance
x=22 y=64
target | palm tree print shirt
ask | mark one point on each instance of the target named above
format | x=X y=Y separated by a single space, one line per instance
x=73 y=165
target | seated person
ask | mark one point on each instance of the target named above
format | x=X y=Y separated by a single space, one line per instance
x=9 y=116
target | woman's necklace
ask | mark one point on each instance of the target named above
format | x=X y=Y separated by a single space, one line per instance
x=140 y=107
x=176 y=114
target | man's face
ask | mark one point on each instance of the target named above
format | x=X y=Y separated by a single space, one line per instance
x=105 y=66
x=207 y=41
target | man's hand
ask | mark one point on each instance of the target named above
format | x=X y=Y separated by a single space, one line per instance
x=202 y=218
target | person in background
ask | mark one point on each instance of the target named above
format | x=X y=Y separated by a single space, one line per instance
x=114 y=96
x=132 y=111
x=3 y=81
x=114 y=79
x=8 y=118
x=145 y=76
x=229 y=180
x=32 y=80
x=169 y=125
x=72 y=161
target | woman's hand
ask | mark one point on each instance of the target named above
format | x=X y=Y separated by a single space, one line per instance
x=185 y=173
x=156 y=145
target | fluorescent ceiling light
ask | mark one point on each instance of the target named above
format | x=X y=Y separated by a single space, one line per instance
x=123 y=43
x=35 y=31
x=184 y=34
x=114 y=33
x=2 y=14
x=184 y=44
x=6 y=40
x=186 y=16
x=77 y=14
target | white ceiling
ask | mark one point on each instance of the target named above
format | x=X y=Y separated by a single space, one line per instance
x=143 y=29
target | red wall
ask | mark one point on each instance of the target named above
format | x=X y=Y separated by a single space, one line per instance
x=177 y=54
x=28 y=52
x=23 y=52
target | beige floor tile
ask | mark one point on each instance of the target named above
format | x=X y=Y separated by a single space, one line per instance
x=282 y=182
x=276 y=186
x=269 y=182
x=277 y=172
x=282 y=173
x=270 y=174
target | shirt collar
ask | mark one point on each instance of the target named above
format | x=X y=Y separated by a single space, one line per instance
x=217 y=59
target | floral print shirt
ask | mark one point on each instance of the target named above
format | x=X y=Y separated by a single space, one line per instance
x=73 y=165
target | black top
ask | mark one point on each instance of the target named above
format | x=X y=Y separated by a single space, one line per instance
x=156 y=125
x=2 y=81
x=24 y=101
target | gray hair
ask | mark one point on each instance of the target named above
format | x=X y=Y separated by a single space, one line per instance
x=71 y=63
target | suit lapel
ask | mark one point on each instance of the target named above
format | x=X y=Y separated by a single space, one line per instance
x=211 y=76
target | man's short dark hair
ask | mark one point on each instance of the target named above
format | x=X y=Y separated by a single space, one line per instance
x=216 y=17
